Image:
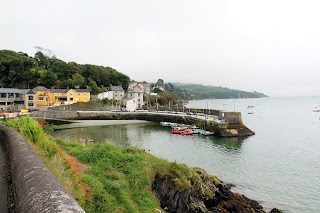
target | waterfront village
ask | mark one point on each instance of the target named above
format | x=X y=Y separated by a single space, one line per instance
x=13 y=99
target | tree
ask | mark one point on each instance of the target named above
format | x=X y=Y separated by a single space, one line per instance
x=77 y=80
x=73 y=68
x=94 y=87
x=42 y=60
x=47 y=78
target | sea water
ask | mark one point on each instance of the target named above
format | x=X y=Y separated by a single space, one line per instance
x=279 y=166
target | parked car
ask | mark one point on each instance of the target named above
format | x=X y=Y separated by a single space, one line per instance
x=33 y=109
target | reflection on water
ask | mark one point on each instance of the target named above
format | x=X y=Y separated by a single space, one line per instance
x=279 y=166
x=140 y=135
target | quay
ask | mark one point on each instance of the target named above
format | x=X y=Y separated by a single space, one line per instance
x=227 y=124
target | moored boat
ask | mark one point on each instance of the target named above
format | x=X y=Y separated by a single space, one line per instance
x=182 y=131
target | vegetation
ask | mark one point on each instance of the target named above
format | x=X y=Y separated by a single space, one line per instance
x=18 y=70
x=198 y=91
x=103 y=177
x=177 y=93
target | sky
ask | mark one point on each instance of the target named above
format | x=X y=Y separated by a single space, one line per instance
x=270 y=46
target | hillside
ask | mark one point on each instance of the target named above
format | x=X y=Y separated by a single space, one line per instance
x=21 y=71
x=198 y=91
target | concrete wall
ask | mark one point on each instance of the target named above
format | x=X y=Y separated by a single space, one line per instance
x=36 y=189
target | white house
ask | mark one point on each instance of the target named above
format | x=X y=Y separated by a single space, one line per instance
x=104 y=95
x=129 y=104
x=137 y=94
x=144 y=86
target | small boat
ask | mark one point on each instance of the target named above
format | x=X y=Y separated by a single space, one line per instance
x=168 y=124
x=196 y=130
x=317 y=110
x=10 y=115
x=165 y=123
x=24 y=110
x=182 y=131
x=207 y=133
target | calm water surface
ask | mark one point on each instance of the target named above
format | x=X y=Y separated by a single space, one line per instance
x=279 y=166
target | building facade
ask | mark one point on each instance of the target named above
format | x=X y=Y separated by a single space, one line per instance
x=117 y=92
x=137 y=94
x=42 y=97
x=16 y=99
x=57 y=97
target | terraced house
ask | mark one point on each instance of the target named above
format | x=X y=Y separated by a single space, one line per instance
x=42 y=98
x=67 y=96
x=15 y=99
x=51 y=97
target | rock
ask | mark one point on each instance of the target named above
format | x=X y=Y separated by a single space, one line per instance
x=206 y=194
x=275 y=210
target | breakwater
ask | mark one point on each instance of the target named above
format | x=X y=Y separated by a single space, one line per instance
x=231 y=124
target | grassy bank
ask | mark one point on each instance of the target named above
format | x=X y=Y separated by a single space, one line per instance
x=103 y=177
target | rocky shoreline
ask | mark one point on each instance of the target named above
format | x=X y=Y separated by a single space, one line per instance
x=206 y=194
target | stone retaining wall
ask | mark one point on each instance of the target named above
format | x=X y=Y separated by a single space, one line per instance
x=36 y=188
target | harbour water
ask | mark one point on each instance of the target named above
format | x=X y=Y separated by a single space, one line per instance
x=279 y=166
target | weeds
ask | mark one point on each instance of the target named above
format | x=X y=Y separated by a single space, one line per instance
x=103 y=177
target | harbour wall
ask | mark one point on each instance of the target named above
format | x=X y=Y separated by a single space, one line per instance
x=35 y=187
x=232 y=126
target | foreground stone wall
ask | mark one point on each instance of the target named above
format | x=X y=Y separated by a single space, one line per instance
x=36 y=188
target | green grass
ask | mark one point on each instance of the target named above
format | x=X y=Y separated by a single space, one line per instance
x=104 y=177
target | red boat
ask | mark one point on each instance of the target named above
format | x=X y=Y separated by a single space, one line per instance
x=181 y=131
x=316 y=110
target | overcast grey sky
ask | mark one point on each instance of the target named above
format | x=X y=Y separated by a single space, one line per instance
x=270 y=46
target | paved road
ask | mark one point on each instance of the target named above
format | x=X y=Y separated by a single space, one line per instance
x=3 y=180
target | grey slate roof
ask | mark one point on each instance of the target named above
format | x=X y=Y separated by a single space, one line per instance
x=40 y=88
x=9 y=90
x=81 y=90
x=27 y=91
x=116 y=88
x=59 y=90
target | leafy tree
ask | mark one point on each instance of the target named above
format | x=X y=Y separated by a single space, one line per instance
x=59 y=67
x=47 y=78
x=42 y=60
x=94 y=87
x=68 y=83
x=77 y=80
x=73 y=68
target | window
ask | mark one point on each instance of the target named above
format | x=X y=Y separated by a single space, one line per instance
x=40 y=98
x=138 y=94
x=78 y=93
x=138 y=99
x=3 y=95
x=30 y=97
x=30 y=104
x=71 y=99
x=131 y=95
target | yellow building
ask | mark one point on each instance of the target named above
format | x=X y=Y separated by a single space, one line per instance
x=42 y=98
x=67 y=96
